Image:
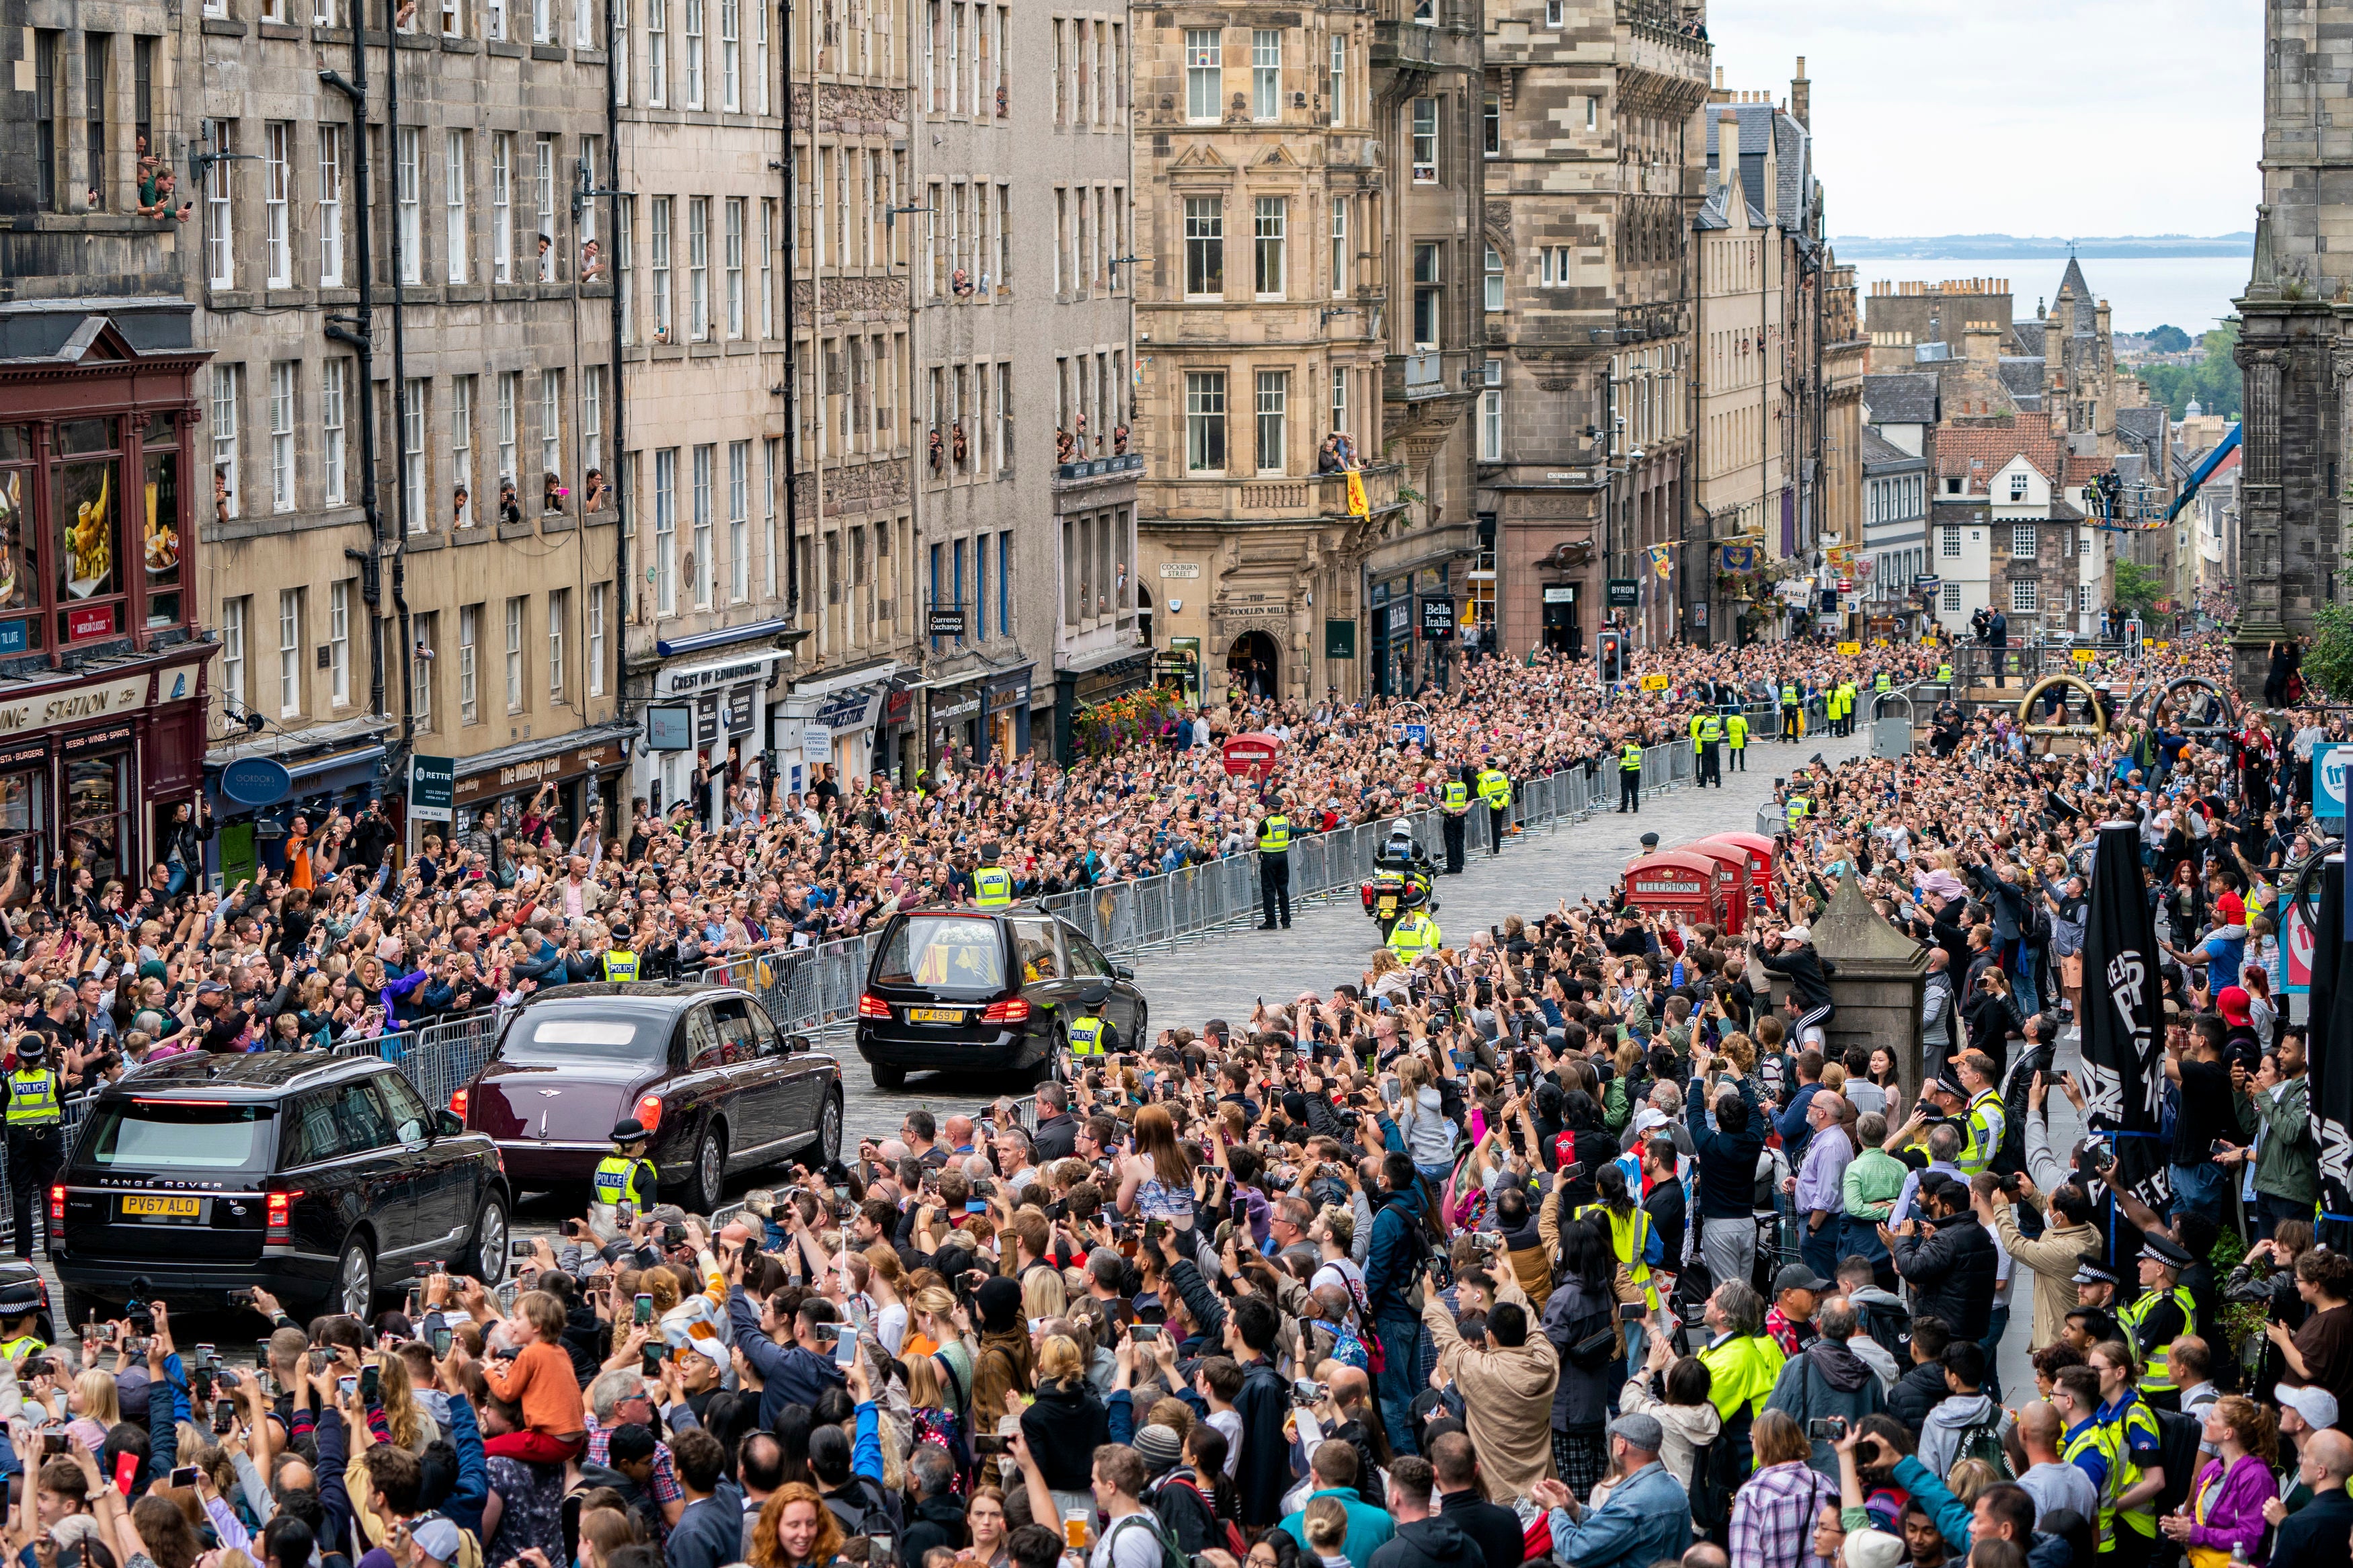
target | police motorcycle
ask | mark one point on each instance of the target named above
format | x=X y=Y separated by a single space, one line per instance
x=1402 y=879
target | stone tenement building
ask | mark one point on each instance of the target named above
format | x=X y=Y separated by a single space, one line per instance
x=1594 y=173
x=717 y=478
x=2296 y=340
x=1023 y=280
x=468 y=623
x=1311 y=270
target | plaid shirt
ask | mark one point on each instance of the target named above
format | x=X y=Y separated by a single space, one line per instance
x=600 y=1452
x=1773 y=1516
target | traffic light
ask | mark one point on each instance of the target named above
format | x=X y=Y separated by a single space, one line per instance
x=1610 y=651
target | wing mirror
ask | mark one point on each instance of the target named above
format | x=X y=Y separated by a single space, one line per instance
x=795 y=1043
x=1123 y=971
x=446 y=1125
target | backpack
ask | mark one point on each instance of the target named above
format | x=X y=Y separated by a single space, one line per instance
x=861 y=1510
x=1982 y=1440
x=1715 y=1476
x=1169 y=1556
x=2178 y=1437
x=1221 y=1531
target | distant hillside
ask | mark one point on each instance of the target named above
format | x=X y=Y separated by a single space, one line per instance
x=2006 y=246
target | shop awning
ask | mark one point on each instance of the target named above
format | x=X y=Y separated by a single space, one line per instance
x=613 y=731
x=843 y=680
x=724 y=637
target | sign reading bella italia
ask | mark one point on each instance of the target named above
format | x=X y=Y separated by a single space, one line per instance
x=49 y=710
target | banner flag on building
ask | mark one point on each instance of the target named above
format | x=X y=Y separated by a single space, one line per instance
x=1357 y=505
x=1737 y=557
x=2122 y=1037
x=1662 y=559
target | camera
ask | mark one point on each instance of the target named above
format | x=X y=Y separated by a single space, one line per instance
x=519 y=1248
x=1827 y=1428
x=1632 y=1311
x=1306 y=1391
x=989 y=1443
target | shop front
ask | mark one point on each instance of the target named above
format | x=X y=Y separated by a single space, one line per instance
x=723 y=703
x=1005 y=716
x=580 y=783
x=97 y=538
x=91 y=774
x=952 y=724
x=829 y=721
x=1090 y=681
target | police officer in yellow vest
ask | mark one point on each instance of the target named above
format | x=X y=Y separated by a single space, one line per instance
x=1945 y=674
x=1089 y=1032
x=1982 y=1124
x=620 y=959
x=1736 y=732
x=1414 y=935
x=992 y=884
x=1790 y=712
x=20 y=1322
x=1454 y=806
x=2162 y=1313
x=1630 y=776
x=1495 y=789
x=1798 y=804
x=1275 y=865
x=37 y=1145
x=625 y=1175
x=1710 y=755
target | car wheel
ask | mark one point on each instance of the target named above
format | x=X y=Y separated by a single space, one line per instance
x=1142 y=1040
x=888 y=1078
x=355 y=1279
x=490 y=1248
x=829 y=1128
x=709 y=1176
x=81 y=1308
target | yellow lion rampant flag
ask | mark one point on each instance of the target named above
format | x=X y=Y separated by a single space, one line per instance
x=1357 y=505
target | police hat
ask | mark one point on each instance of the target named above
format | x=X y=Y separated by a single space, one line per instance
x=31 y=1046
x=630 y=1131
x=18 y=1297
x=2165 y=1250
x=2090 y=1270
x=1650 y=841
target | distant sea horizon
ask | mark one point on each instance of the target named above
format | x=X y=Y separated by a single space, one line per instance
x=2143 y=291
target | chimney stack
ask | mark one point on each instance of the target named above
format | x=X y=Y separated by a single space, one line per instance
x=1802 y=96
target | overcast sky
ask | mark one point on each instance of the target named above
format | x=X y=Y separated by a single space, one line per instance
x=2026 y=117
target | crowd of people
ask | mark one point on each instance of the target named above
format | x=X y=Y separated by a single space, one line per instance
x=1577 y=1242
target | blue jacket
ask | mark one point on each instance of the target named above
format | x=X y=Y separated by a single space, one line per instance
x=1369 y=1527
x=1647 y=1518
x=791 y=1374
x=1394 y=1254
x=463 y=1505
x=1792 y=1124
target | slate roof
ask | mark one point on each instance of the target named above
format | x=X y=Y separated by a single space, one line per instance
x=2072 y=281
x=2131 y=467
x=2023 y=379
x=2148 y=428
x=1879 y=451
x=1901 y=399
x=1793 y=181
x=2028 y=335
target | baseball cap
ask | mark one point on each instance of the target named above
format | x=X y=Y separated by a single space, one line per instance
x=1798 y=1277
x=1872 y=1549
x=438 y=1539
x=2317 y=1405
x=2232 y=1001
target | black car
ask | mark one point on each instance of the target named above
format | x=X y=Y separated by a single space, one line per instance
x=983 y=991
x=701 y=1067
x=322 y=1179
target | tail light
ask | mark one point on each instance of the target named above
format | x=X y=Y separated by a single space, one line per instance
x=277 y=1210
x=457 y=1105
x=650 y=1107
x=56 y=1206
x=870 y=1006
x=1015 y=1011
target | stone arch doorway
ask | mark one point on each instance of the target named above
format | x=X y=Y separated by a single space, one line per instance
x=1251 y=664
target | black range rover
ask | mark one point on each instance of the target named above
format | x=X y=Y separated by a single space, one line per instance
x=321 y=1179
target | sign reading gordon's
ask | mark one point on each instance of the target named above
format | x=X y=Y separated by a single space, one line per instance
x=49 y=710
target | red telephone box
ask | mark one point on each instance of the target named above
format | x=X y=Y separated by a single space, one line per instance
x=1696 y=887
x=1252 y=755
x=1761 y=855
x=1736 y=864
